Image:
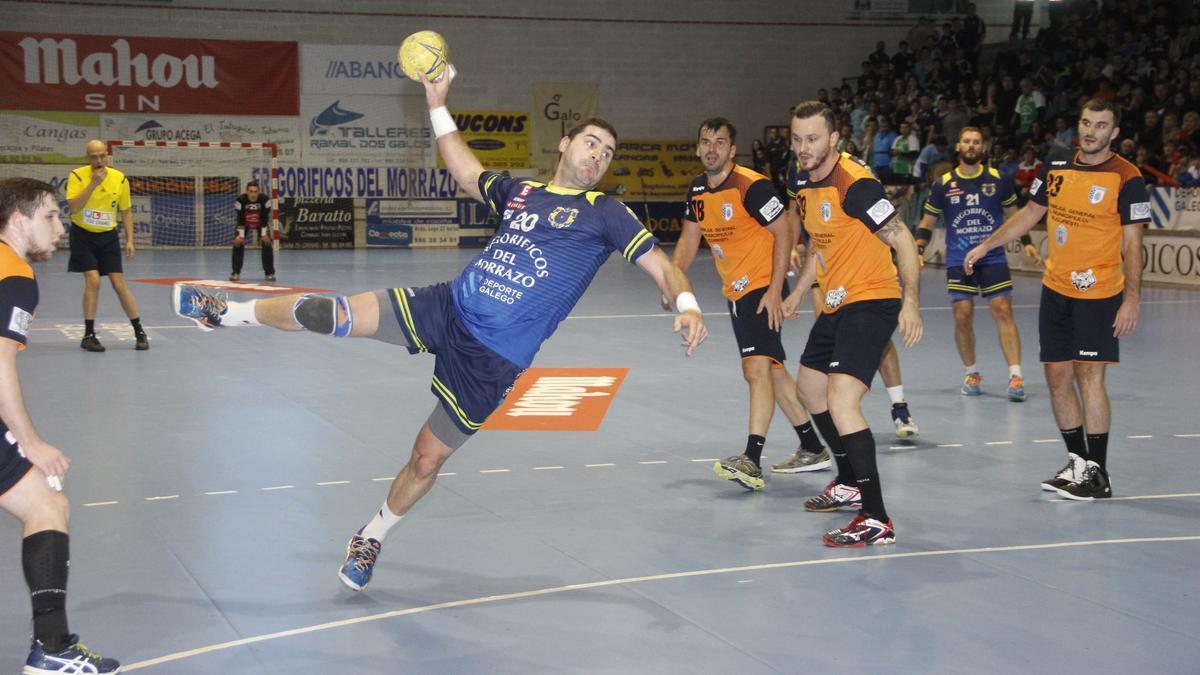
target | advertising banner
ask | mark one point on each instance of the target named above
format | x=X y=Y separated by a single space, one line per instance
x=499 y=138
x=46 y=137
x=393 y=182
x=349 y=129
x=427 y=222
x=1175 y=208
x=557 y=107
x=284 y=132
x=354 y=69
x=316 y=222
x=652 y=170
x=108 y=73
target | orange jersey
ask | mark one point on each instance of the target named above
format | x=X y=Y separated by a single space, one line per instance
x=1088 y=206
x=733 y=217
x=18 y=296
x=840 y=216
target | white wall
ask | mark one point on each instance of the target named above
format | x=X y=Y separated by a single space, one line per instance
x=659 y=75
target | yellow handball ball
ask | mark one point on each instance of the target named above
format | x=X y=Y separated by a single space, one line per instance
x=423 y=52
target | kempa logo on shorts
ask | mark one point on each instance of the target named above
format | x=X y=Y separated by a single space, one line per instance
x=834 y=364
x=558 y=399
x=1083 y=353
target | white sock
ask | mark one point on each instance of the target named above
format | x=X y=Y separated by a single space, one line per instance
x=971 y=369
x=240 y=314
x=383 y=521
x=1015 y=371
x=896 y=393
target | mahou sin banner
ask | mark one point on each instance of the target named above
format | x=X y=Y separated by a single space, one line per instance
x=107 y=73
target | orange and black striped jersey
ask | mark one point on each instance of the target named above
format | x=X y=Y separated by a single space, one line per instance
x=18 y=296
x=840 y=215
x=733 y=217
x=1088 y=206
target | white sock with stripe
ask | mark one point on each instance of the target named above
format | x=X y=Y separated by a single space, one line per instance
x=240 y=314
x=383 y=521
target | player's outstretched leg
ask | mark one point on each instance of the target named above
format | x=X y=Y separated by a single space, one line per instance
x=340 y=316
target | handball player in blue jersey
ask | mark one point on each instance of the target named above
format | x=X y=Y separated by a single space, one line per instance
x=973 y=200
x=485 y=325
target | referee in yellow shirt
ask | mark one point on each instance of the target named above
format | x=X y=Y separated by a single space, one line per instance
x=96 y=194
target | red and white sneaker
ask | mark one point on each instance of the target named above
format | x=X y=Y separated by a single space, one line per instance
x=860 y=532
x=835 y=496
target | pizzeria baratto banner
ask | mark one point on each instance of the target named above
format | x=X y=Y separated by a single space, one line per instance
x=113 y=73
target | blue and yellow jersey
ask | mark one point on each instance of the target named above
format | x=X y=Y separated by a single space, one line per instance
x=549 y=245
x=972 y=207
x=99 y=214
x=18 y=296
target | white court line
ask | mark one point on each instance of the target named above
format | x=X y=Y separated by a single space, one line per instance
x=278 y=487
x=1177 y=495
x=654 y=461
x=221 y=492
x=489 y=599
x=333 y=482
x=710 y=459
x=950 y=445
x=548 y=468
x=998 y=443
x=383 y=478
x=597 y=466
x=1140 y=437
x=446 y=473
x=101 y=503
x=161 y=498
x=1045 y=440
x=494 y=470
x=1187 y=435
x=895 y=447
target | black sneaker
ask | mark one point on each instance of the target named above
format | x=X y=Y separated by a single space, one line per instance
x=91 y=343
x=906 y=426
x=270 y=277
x=1092 y=485
x=1073 y=470
x=143 y=342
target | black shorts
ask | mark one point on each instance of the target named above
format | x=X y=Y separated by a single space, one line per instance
x=469 y=379
x=1074 y=329
x=852 y=339
x=754 y=336
x=95 y=251
x=13 y=465
x=985 y=280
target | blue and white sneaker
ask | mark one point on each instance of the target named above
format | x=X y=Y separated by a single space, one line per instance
x=361 y=554
x=200 y=306
x=1016 y=388
x=970 y=385
x=75 y=658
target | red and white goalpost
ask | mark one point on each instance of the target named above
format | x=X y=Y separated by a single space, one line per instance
x=183 y=191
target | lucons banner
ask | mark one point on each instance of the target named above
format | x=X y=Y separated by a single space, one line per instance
x=500 y=139
x=110 y=73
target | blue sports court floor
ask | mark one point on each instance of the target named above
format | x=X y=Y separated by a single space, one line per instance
x=216 y=478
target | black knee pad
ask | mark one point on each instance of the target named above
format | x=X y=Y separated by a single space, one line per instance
x=317 y=314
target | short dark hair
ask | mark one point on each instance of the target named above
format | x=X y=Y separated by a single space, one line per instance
x=973 y=130
x=21 y=194
x=592 y=122
x=252 y=184
x=715 y=124
x=1102 y=104
x=807 y=109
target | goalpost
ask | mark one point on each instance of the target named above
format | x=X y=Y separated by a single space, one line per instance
x=183 y=191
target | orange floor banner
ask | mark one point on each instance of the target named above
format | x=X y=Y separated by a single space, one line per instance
x=558 y=399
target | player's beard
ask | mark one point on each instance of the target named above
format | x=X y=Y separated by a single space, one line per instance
x=819 y=160
x=40 y=254
x=972 y=158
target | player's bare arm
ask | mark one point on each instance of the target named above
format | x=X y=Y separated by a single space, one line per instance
x=672 y=282
x=1011 y=230
x=1131 y=252
x=772 y=300
x=684 y=255
x=804 y=280
x=896 y=235
x=463 y=163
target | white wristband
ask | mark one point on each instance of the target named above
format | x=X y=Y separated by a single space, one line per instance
x=443 y=123
x=685 y=301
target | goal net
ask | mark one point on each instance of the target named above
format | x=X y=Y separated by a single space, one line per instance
x=183 y=191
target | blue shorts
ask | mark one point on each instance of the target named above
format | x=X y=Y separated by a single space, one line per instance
x=852 y=339
x=986 y=280
x=469 y=379
x=1075 y=329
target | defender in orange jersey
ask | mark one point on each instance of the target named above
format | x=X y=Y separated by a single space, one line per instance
x=739 y=214
x=1096 y=204
x=851 y=229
